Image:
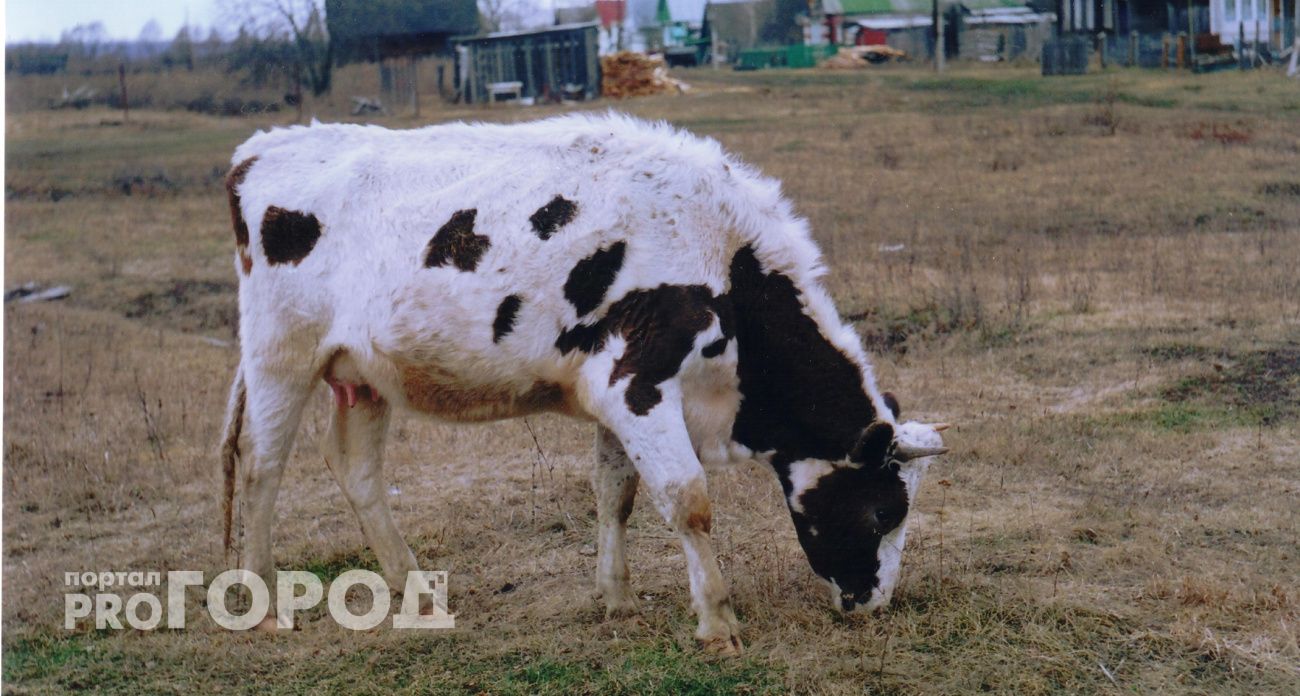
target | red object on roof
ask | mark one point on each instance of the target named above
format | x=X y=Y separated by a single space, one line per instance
x=870 y=37
x=611 y=12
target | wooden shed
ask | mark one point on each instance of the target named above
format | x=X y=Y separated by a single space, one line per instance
x=377 y=30
x=548 y=64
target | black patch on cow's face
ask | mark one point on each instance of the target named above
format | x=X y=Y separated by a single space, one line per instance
x=891 y=402
x=233 y=181
x=714 y=349
x=847 y=514
x=456 y=243
x=552 y=216
x=659 y=325
x=591 y=277
x=506 y=313
x=799 y=394
x=288 y=236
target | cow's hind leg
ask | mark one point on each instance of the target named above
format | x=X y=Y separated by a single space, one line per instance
x=274 y=407
x=614 y=479
x=353 y=450
x=660 y=448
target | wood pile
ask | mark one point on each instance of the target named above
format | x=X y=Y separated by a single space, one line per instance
x=854 y=57
x=628 y=74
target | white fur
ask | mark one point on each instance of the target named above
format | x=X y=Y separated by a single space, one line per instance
x=805 y=474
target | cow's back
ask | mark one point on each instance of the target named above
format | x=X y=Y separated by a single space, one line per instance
x=447 y=262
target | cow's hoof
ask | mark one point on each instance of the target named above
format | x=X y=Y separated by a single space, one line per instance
x=621 y=610
x=726 y=646
x=619 y=603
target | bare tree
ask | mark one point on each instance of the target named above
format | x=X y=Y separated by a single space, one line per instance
x=505 y=15
x=151 y=33
x=299 y=22
x=87 y=39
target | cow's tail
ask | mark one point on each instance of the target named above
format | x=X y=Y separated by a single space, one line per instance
x=230 y=451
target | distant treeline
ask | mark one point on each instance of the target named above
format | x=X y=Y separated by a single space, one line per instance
x=258 y=61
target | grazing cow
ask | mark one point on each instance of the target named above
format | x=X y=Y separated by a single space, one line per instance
x=597 y=266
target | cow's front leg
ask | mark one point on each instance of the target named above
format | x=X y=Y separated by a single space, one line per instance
x=660 y=448
x=614 y=479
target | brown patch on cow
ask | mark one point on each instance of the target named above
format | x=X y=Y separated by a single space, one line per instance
x=591 y=277
x=288 y=236
x=456 y=243
x=233 y=181
x=695 y=509
x=551 y=217
x=627 y=502
x=434 y=391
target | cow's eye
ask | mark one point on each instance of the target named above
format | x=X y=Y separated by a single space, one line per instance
x=886 y=518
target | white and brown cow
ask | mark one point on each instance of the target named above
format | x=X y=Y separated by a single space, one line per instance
x=599 y=266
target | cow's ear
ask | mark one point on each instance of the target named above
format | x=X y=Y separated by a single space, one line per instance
x=891 y=402
x=874 y=444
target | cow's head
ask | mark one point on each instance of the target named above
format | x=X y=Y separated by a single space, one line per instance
x=851 y=514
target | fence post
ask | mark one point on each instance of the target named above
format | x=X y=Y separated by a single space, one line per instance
x=415 y=84
x=1241 y=46
x=1164 y=50
x=126 y=103
x=940 y=47
x=1182 y=50
x=1101 y=48
x=1132 y=49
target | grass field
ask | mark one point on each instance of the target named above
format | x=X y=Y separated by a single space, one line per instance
x=1096 y=279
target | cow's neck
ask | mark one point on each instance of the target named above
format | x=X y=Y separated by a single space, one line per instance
x=802 y=397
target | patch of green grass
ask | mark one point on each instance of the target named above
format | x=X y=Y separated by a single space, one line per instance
x=1171 y=352
x=656 y=668
x=422 y=664
x=1153 y=102
x=329 y=568
x=1184 y=417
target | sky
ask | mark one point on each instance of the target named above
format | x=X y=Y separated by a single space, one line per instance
x=44 y=20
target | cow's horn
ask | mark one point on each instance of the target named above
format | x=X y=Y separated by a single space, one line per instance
x=940 y=427
x=909 y=453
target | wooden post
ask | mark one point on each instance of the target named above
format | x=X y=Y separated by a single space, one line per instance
x=1241 y=46
x=1133 y=49
x=1257 y=59
x=297 y=90
x=1181 y=50
x=415 y=84
x=939 y=43
x=1101 y=48
x=1164 y=50
x=126 y=103
x=591 y=45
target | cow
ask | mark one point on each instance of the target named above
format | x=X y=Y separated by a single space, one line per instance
x=599 y=266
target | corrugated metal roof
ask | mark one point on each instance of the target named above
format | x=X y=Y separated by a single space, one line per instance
x=905 y=7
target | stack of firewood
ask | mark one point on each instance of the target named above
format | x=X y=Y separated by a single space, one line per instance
x=628 y=74
x=851 y=57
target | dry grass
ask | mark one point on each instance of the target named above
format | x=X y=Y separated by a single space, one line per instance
x=1095 y=278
